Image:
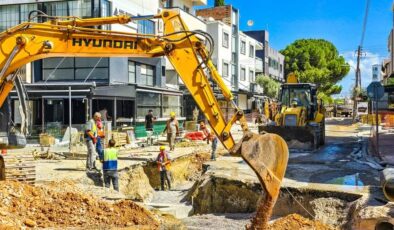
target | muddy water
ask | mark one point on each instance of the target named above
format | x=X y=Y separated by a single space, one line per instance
x=353 y=180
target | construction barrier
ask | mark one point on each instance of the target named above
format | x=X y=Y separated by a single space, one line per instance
x=389 y=120
x=370 y=119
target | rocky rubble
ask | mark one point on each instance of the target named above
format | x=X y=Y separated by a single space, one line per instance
x=295 y=221
x=61 y=204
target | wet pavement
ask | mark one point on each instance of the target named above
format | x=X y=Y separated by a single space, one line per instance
x=334 y=162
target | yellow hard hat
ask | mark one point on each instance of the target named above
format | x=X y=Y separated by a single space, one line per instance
x=162 y=148
x=172 y=114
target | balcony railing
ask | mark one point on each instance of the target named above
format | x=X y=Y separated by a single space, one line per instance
x=199 y=2
x=259 y=64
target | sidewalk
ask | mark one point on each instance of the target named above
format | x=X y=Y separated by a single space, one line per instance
x=386 y=146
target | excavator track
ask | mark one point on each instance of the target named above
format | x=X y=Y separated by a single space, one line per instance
x=18 y=168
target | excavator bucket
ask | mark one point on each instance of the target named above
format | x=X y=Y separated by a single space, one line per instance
x=267 y=155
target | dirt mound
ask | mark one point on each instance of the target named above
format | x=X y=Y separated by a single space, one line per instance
x=60 y=204
x=295 y=221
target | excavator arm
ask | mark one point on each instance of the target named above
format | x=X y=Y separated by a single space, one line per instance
x=184 y=49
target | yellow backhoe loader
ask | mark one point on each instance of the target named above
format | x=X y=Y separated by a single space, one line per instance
x=266 y=154
x=300 y=118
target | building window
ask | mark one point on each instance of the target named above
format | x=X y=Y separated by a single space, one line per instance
x=81 y=69
x=225 y=69
x=225 y=40
x=147 y=101
x=132 y=72
x=251 y=76
x=25 y=10
x=281 y=68
x=9 y=16
x=234 y=29
x=243 y=47
x=234 y=81
x=243 y=74
x=147 y=75
x=186 y=9
x=171 y=103
x=105 y=12
x=251 y=51
x=146 y=27
x=168 y=4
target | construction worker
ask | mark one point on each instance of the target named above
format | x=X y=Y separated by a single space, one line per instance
x=100 y=137
x=149 y=119
x=209 y=136
x=110 y=166
x=163 y=164
x=91 y=140
x=172 y=128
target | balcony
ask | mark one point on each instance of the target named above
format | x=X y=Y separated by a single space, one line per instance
x=259 y=64
x=199 y=2
x=192 y=22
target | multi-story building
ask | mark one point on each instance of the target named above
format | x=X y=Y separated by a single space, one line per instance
x=125 y=87
x=388 y=64
x=234 y=56
x=273 y=60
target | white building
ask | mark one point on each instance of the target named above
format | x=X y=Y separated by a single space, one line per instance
x=376 y=72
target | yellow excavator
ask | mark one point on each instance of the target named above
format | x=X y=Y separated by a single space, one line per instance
x=266 y=154
x=300 y=118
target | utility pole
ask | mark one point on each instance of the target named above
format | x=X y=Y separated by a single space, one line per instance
x=357 y=85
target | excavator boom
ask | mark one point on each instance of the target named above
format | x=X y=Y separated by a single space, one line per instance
x=267 y=154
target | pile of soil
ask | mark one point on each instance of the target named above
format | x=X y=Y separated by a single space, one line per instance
x=295 y=221
x=60 y=204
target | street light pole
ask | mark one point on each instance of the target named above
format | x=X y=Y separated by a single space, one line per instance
x=357 y=86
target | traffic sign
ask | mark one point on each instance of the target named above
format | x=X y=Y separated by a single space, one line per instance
x=375 y=90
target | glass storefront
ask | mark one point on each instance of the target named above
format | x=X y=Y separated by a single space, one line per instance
x=161 y=104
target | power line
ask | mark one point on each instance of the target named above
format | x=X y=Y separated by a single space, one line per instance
x=364 y=23
x=359 y=53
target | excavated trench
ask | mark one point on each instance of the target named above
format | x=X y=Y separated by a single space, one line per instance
x=221 y=195
x=213 y=193
x=139 y=182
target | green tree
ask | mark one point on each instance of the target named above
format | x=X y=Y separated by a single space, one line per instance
x=219 y=3
x=270 y=86
x=316 y=61
x=390 y=81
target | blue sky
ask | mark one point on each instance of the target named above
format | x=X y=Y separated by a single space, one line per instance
x=339 y=21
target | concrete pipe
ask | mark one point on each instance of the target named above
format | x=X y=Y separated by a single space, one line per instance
x=387 y=181
x=384 y=226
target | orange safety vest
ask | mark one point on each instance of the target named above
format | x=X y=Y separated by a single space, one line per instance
x=165 y=159
x=208 y=134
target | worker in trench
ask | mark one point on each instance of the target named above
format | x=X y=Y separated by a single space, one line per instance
x=209 y=136
x=172 y=128
x=91 y=134
x=163 y=164
x=110 y=166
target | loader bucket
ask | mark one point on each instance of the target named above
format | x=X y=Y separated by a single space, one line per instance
x=298 y=137
x=267 y=155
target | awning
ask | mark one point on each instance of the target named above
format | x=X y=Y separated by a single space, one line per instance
x=160 y=91
x=125 y=91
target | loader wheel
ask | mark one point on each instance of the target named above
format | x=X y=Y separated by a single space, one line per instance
x=316 y=140
x=2 y=168
x=323 y=133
